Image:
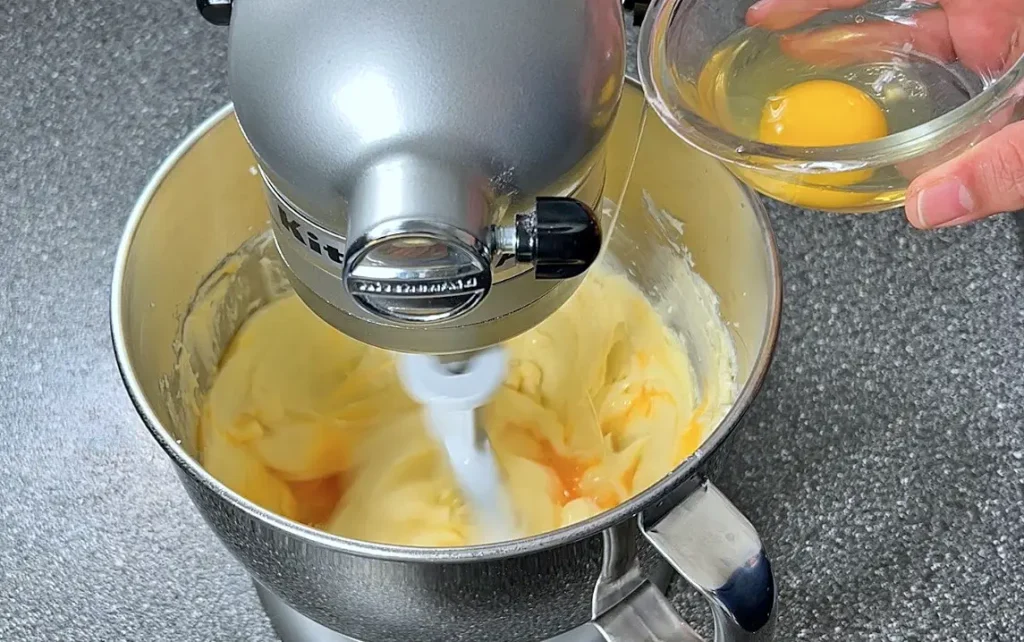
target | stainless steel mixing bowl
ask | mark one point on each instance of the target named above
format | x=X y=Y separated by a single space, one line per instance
x=602 y=578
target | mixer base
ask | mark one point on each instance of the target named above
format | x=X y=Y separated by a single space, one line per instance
x=292 y=626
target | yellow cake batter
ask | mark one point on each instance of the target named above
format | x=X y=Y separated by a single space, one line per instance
x=598 y=405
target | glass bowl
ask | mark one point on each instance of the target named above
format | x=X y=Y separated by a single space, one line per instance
x=709 y=69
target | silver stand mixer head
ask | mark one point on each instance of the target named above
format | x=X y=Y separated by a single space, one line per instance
x=432 y=169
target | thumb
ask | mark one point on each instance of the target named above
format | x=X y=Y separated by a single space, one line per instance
x=985 y=180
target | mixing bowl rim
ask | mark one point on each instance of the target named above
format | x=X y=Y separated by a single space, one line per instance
x=752 y=154
x=536 y=543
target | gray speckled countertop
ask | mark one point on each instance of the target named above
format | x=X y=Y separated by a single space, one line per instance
x=883 y=463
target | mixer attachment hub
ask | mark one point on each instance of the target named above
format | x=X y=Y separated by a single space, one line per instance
x=423 y=271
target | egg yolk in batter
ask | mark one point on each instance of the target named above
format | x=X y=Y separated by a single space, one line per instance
x=819 y=113
x=600 y=402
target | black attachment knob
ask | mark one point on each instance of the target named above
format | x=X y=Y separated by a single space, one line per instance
x=638 y=8
x=639 y=12
x=217 y=12
x=562 y=238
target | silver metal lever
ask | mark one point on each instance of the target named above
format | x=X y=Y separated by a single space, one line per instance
x=714 y=547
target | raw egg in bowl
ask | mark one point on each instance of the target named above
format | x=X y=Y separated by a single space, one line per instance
x=834 y=110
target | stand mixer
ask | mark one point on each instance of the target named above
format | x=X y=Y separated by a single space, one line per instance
x=433 y=171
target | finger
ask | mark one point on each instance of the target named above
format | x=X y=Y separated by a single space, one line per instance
x=987 y=41
x=880 y=41
x=919 y=165
x=783 y=14
x=986 y=180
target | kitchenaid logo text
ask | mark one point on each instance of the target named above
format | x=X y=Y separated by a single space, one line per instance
x=415 y=289
x=310 y=239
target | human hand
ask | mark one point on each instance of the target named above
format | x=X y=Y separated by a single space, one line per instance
x=986 y=36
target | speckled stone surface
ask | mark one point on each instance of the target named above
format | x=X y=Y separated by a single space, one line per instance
x=883 y=463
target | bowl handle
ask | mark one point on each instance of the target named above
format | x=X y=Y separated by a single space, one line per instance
x=710 y=543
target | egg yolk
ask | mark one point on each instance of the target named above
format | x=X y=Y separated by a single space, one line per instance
x=820 y=113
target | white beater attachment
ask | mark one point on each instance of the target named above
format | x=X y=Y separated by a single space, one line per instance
x=451 y=393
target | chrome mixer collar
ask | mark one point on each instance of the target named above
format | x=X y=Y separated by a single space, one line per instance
x=432 y=168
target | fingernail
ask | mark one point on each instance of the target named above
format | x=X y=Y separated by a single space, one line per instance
x=757 y=6
x=943 y=203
